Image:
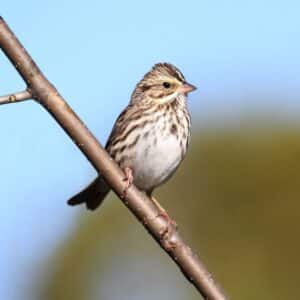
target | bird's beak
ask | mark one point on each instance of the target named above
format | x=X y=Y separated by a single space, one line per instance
x=186 y=88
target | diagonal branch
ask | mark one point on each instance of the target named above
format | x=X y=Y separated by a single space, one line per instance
x=138 y=203
x=16 y=97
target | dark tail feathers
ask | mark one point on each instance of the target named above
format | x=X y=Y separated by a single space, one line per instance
x=92 y=195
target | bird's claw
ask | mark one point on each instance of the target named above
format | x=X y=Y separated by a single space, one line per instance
x=128 y=180
x=166 y=233
x=170 y=221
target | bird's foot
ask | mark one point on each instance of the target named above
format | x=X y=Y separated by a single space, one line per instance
x=170 y=221
x=166 y=233
x=128 y=180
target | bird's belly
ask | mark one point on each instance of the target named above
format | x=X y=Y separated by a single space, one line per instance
x=156 y=160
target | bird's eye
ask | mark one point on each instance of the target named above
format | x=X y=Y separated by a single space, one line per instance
x=166 y=85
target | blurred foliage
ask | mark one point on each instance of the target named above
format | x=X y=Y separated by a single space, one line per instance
x=236 y=200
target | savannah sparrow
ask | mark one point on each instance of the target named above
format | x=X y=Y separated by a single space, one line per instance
x=150 y=137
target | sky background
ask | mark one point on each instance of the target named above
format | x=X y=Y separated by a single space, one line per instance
x=95 y=52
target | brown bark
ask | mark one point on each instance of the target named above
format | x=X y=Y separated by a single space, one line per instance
x=16 y=97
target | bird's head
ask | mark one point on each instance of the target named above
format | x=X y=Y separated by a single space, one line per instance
x=162 y=84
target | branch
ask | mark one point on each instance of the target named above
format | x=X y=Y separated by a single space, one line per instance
x=138 y=203
x=16 y=97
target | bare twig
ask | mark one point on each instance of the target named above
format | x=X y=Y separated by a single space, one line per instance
x=16 y=97
x=139 y=204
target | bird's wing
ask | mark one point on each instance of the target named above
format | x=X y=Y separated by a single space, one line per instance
x=131 y=113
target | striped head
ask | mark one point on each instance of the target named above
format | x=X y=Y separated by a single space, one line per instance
x=162 y=84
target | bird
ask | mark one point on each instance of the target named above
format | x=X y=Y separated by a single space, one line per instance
x=150 y=137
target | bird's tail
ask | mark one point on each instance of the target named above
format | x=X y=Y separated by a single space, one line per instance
x=92 y=195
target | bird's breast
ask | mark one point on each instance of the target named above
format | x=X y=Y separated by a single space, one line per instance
x=159 y=151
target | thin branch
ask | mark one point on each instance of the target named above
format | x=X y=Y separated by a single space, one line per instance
x=139 y=204
x=16 y=97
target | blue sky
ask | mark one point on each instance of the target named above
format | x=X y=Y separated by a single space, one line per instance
x=95 y=52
